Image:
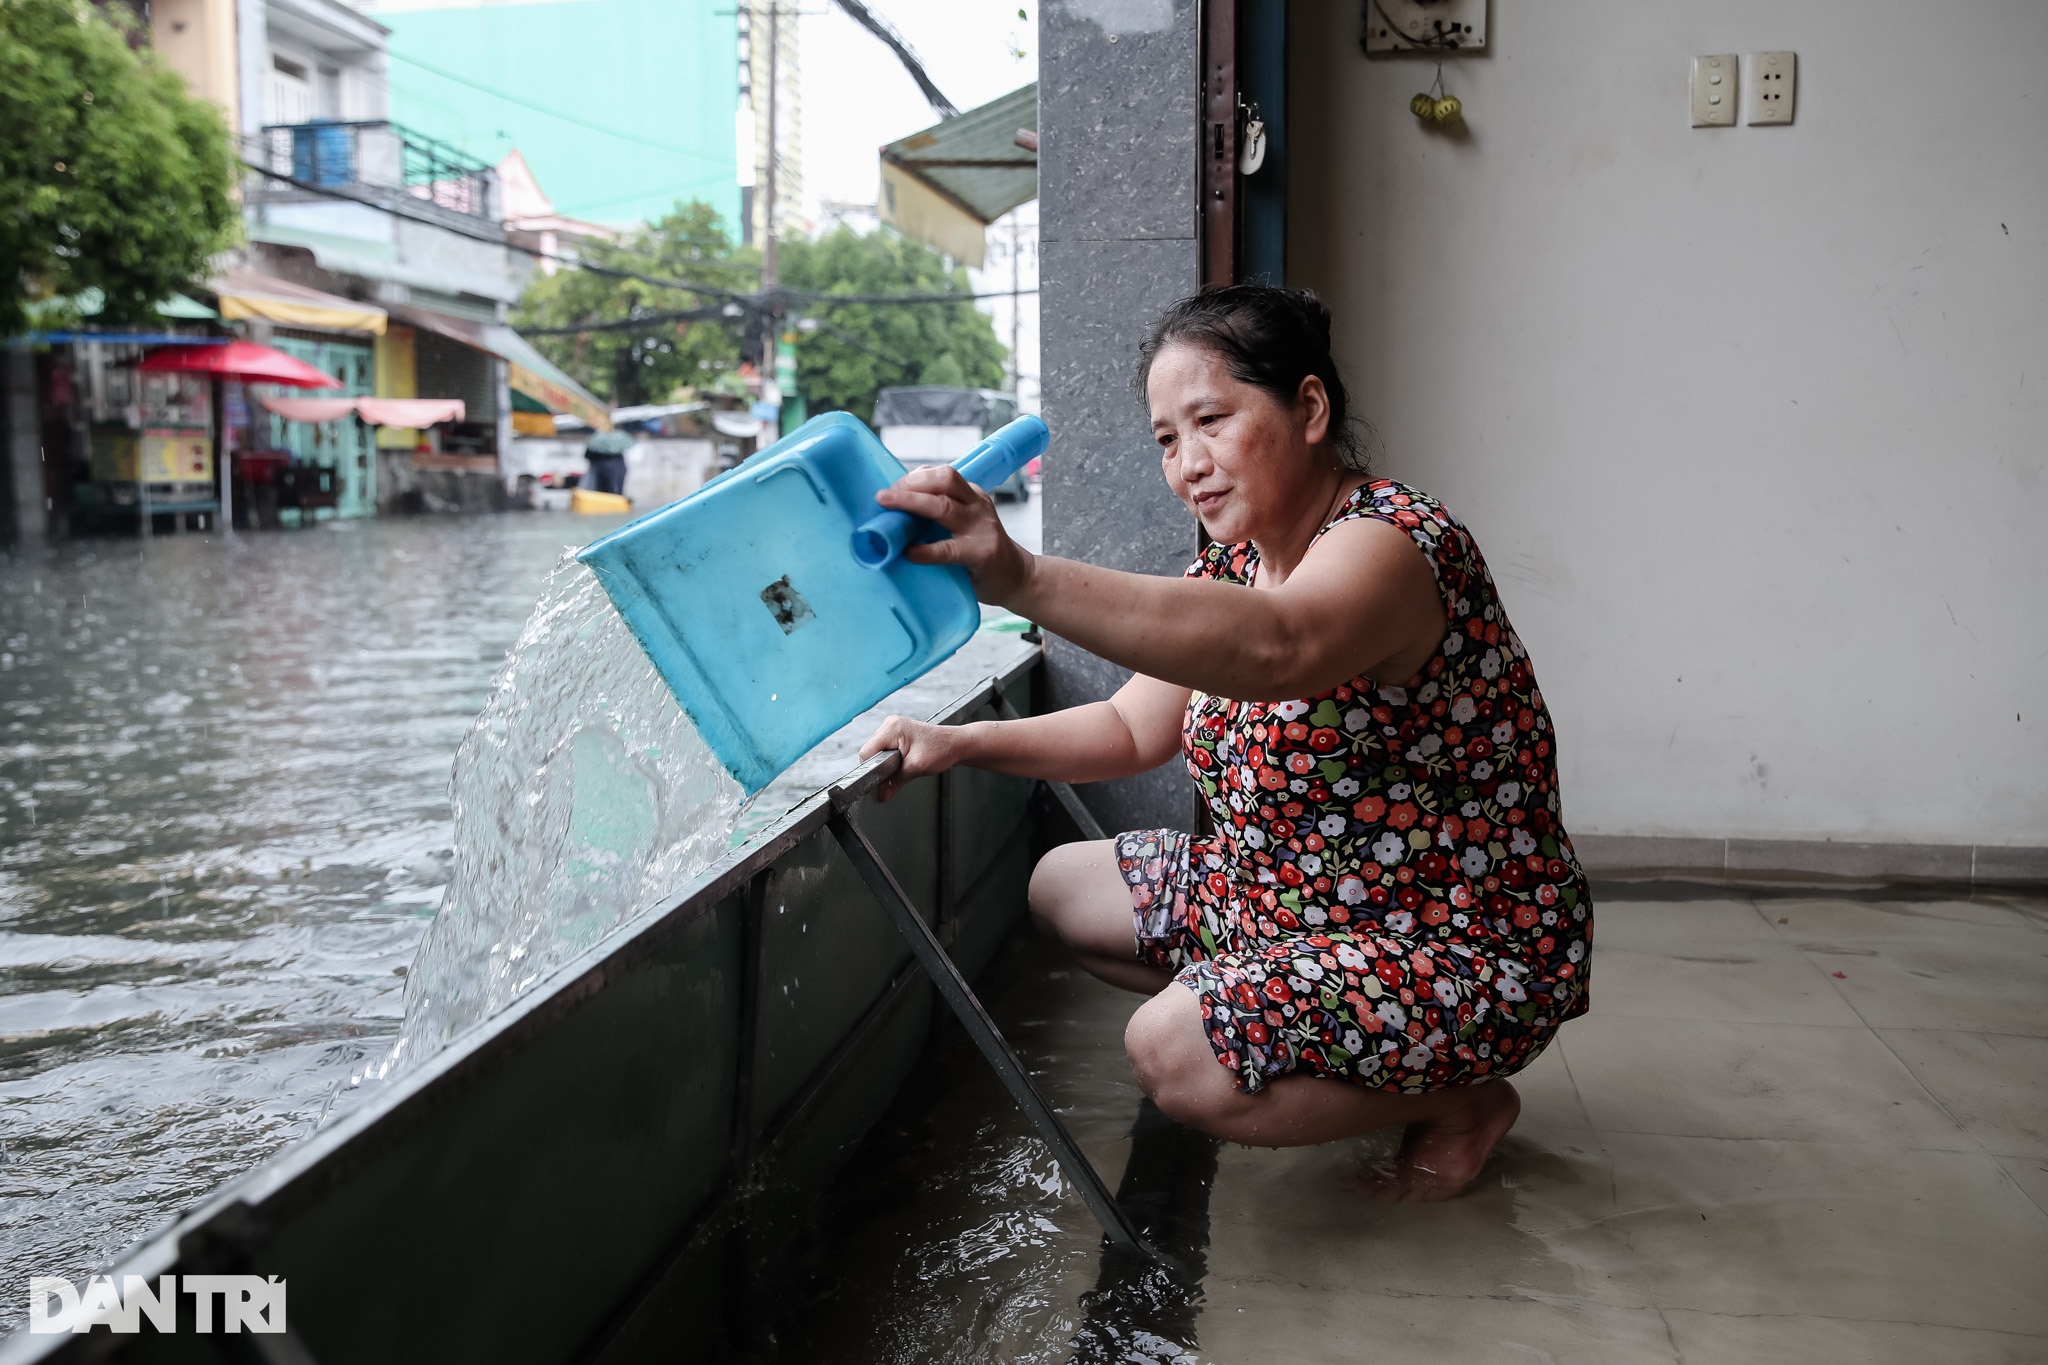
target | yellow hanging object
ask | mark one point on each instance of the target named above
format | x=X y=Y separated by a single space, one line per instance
x=589 y=500
x=1447 y=110
x=1422 y=106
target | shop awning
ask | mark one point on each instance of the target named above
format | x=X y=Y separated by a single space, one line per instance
x=378 y=412
x=91 y=301
x=188 y=310
x=740 y=425
x=529 y=373
x=244 y=360
x=245 y=294
x=309 y=409
x=534 y=375
x=410 y=412
x=944 y=185
x=123 y=338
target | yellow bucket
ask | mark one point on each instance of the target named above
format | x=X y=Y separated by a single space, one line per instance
x=587 y=500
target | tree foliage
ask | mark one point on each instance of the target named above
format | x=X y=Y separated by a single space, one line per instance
x=644 y=366
x=112 y=177
x=858 y=348
x=854 y=350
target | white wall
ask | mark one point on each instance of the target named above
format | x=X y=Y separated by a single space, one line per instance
x=1749 y=421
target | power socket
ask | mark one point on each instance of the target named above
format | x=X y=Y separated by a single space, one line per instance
x=1713 y=90
x=1773 y=87
x=1427 y=26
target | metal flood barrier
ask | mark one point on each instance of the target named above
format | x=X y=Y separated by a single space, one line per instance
x=599 y=1173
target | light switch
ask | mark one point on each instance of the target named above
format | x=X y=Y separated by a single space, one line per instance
x=1713 y=91
x=1773 y=86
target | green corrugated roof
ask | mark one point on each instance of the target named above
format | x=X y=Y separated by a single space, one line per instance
x=973 y=159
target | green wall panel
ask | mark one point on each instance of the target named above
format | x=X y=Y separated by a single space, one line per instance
x=651 y=87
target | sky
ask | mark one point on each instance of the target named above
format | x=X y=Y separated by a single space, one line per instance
x=857 y=97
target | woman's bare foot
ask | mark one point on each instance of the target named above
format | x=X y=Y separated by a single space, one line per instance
x=1440 y=1158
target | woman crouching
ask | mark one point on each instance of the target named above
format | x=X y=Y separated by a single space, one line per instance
x=1388 y=920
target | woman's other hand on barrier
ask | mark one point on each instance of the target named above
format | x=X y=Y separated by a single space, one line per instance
x=926 y=749
x=979 y=543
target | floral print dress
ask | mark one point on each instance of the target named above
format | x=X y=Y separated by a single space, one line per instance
x=1389 y=897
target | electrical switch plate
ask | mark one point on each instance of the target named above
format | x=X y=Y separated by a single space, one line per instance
x=1713 y=90
x=1773 y=86
x=1440 y=26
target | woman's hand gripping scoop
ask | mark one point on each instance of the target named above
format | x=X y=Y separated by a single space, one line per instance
x=999 y=568
x=998 y=565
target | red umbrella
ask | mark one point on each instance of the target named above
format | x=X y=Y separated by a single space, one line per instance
x=243 y=360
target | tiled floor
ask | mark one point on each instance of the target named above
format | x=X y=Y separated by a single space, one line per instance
x=1792 y=1129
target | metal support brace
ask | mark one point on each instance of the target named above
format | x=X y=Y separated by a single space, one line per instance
x=1116 y=1224
x=1070 y=800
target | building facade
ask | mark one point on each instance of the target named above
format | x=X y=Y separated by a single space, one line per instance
x=374 y=252
x=621 y=107
x=770 y=67
x=1749 y=436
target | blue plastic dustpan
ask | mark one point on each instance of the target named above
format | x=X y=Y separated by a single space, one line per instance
x=750 y=600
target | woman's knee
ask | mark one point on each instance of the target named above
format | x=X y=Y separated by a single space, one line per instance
x=1066 y=887
x=1174 y=1064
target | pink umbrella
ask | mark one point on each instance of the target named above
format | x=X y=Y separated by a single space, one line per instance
x=244 y=360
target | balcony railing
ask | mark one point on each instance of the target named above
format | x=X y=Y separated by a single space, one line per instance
x=373 y=160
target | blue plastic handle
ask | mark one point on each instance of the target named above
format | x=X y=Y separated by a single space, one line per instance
x=879 y=541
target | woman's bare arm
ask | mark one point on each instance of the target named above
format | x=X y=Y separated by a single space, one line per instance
x=1362 y=598
x=1133 y=732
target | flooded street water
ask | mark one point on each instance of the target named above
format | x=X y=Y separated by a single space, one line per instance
x=224 y=831
x=1797 y=1124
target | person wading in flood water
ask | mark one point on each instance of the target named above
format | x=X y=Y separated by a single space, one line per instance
x=1388 y=920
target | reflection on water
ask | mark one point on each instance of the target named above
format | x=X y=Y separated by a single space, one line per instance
x=952 y=1239
x=223 y=828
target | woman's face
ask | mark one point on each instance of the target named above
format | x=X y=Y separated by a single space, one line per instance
x=1243 y=461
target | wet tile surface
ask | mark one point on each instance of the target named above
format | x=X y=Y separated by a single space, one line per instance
x=1736 y=1157
x=1991 y=1083
x=1719 y=1079
x=2030 y=1175
x=1974 y=981
x=1712 y=979
x=1719 y=1339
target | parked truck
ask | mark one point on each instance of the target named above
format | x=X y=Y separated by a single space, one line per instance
x=930 y=424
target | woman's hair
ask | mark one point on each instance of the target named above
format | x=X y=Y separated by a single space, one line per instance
x=1267 y=337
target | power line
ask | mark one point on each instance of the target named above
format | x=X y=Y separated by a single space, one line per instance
x=875 y=24
x=585 y=206
x=815 y=298
x=639 y=323
x=810 y=301
x=755 y=300
x=566 y=117
x=328 y=192
x=851 y=340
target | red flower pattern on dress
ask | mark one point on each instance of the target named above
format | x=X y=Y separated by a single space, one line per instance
x=1390 y=896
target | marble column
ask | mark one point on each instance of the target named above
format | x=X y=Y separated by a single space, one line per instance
x=1117 y=126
